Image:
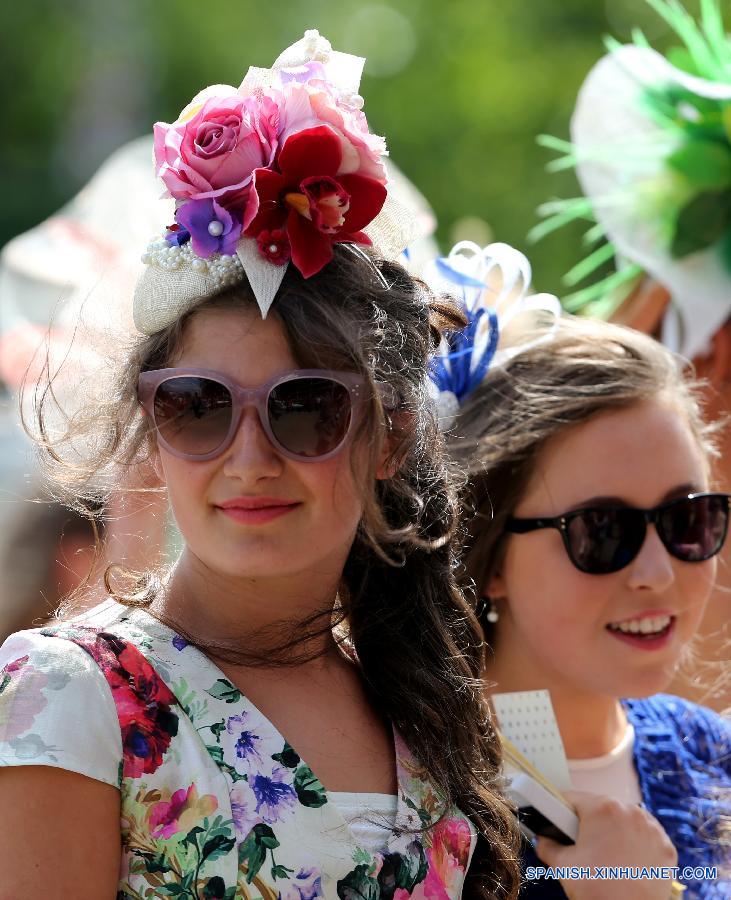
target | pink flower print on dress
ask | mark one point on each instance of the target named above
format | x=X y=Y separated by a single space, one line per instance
x=448 y=858
x=144 y=703
x=183 y=811
x=17 y=717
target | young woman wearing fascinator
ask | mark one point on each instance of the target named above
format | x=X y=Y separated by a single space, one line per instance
x=594 y=530
x=651 y=146
x=261 y=721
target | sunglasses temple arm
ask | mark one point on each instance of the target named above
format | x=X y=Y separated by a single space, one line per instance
x=522 y=526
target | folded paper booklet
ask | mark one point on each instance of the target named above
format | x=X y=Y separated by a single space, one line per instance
x=528 y=722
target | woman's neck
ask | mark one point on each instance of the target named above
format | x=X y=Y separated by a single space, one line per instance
x=249 y=614
x=591 y=724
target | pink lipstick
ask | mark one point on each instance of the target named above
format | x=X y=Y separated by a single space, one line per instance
x=651 y=630
x=256 y=510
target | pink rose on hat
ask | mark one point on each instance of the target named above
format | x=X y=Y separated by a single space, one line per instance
x=213 y=148
x=311 y=102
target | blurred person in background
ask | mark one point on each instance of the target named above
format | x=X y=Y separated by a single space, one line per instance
x=47 y=552
x=651 y=145
x=68 y=269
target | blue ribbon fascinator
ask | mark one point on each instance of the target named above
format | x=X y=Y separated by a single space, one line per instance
x=492 y=285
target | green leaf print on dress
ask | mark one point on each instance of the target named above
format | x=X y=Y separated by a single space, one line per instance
x=308 y=788
x=215 y=803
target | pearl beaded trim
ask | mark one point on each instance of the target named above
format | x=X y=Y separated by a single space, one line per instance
x=223 y=270
x=317 y=47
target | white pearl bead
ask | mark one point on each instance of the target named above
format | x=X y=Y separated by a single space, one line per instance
x=215 y=228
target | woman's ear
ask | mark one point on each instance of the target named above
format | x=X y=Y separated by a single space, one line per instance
x=495 y=586
x=392 y=455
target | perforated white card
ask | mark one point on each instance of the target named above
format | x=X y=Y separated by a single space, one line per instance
x=527 y=719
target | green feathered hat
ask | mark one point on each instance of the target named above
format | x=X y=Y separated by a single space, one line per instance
x=651 y=146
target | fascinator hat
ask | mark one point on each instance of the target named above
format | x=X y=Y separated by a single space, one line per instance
x=492 y=284
x=651 y=146
x=264 y=176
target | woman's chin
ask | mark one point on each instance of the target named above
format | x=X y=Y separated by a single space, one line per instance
x=645 y=684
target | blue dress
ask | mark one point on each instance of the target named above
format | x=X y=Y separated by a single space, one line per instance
x=682 y=755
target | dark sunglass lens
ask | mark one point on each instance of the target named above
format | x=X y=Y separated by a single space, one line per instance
x=309 y=416
x=694 y=529
x=604 y=540
x=193 y=414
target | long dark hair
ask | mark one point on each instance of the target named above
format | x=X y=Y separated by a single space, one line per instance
x=416 y=637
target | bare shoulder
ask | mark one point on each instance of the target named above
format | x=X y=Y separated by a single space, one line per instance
x=63 y=838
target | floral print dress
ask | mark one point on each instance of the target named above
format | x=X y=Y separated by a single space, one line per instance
x=215 y=802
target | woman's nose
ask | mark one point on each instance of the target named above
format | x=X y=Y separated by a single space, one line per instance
x=652 y=568
x=251 y=454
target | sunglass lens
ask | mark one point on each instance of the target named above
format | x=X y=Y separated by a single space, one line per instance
x=309 y=417
x=695 y=529
x=193 y=414
x=601 y=541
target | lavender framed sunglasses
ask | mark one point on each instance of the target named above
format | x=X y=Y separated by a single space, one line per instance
x=307 y=414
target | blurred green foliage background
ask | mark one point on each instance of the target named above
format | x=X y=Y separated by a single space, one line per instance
x=460 y=88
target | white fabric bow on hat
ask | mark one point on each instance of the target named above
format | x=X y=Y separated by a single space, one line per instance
x=504 y=319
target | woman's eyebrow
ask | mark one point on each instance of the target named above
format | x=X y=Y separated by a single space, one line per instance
x=684 y=489
x=672 y=494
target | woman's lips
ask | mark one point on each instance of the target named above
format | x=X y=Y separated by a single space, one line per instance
x=257 y=510
x=656 y=641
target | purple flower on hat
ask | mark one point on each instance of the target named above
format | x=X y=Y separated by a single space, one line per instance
x=177 y=235
x=311 y=71
x=212 y=228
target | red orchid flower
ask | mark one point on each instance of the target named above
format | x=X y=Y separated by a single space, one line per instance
x=307 y=198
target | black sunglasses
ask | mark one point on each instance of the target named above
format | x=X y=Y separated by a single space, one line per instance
x=605 y=539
